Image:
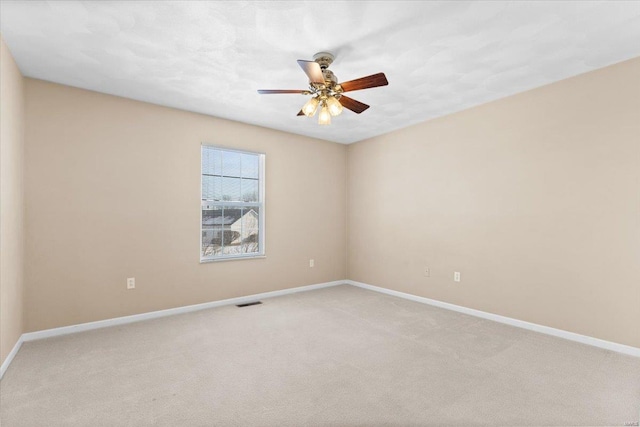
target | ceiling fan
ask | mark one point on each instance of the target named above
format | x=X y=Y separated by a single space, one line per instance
x=326 y=93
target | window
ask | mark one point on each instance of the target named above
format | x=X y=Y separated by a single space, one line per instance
x=232 y=221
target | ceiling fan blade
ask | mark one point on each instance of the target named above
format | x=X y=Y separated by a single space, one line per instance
x=313 y=70
x=374 y=80
x=352 y=104
x=300 y=113
x=273 y=91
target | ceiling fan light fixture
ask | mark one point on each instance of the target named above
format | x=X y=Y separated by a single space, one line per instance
x=335 y=107
x=324 y=118
x=309 y=109
x=327 y=91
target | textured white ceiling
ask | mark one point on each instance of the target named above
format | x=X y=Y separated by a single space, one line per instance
x=211 y=57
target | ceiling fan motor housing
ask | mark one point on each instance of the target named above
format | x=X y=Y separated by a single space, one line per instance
x=329 y=77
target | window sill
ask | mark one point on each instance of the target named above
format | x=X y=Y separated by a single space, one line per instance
x=235 y=258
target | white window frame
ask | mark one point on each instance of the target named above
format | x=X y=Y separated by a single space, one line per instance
x=260 y=204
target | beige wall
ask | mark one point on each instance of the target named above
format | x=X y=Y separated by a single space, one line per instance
x=113 y=191
x=534 y=198
x=11 y=201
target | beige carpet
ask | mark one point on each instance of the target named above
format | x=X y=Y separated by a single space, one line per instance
x=339 y=356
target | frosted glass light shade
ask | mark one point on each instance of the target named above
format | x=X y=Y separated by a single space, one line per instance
x=324 y=118
x=335 y=108
x=309 y=109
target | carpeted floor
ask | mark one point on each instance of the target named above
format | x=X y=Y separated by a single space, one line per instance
x=340 y=356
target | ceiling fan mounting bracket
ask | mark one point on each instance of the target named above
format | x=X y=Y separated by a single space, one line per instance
x=324 y=59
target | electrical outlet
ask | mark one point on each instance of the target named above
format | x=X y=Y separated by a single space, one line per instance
x=312 y=263
x=456 y=276
x=131 y=283
x=427 y=272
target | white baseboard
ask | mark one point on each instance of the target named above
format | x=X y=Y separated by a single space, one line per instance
x=10 y=356
x=47 y=333
x=584 y=339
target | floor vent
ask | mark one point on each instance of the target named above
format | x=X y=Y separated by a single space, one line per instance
x=249 y=304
